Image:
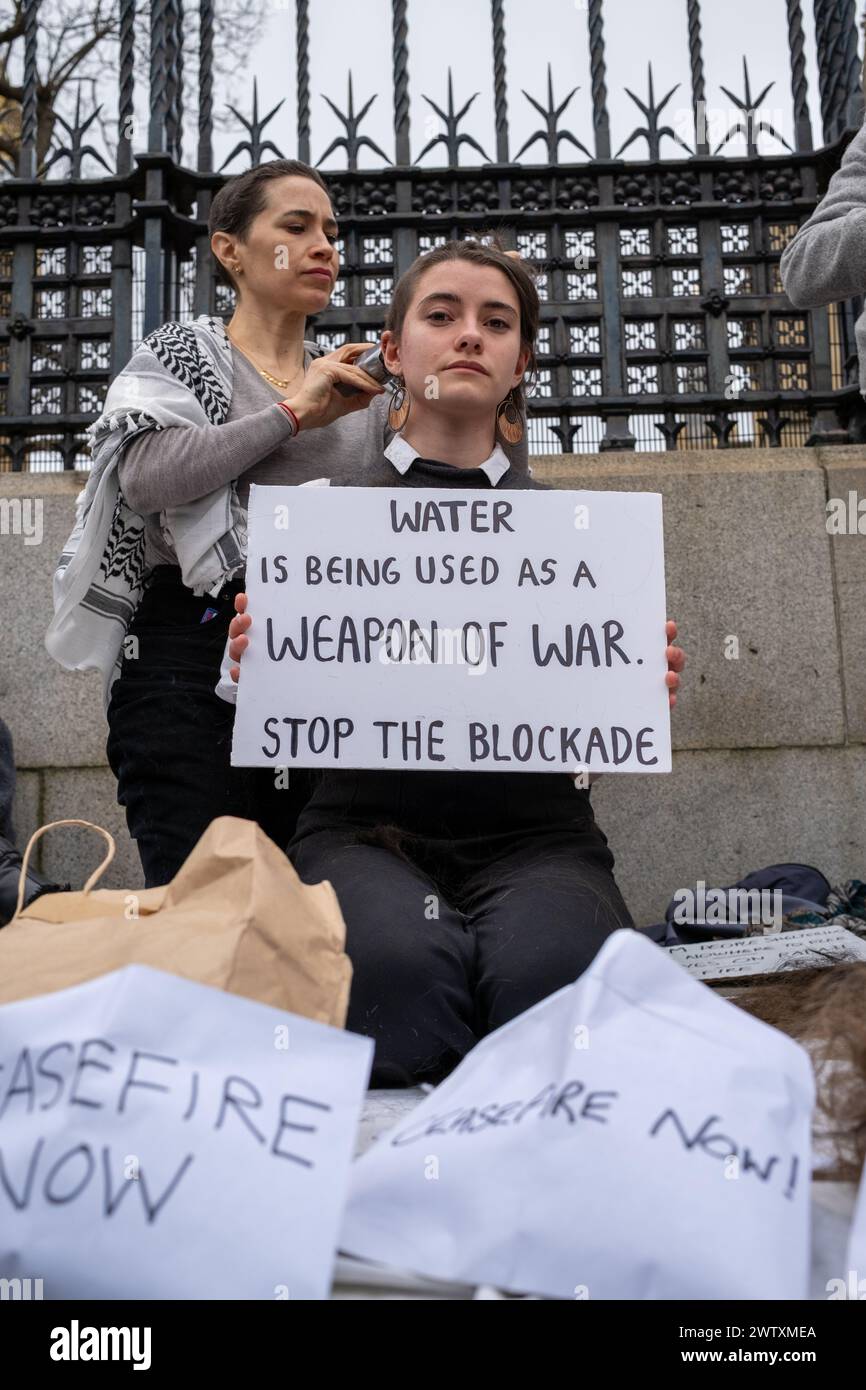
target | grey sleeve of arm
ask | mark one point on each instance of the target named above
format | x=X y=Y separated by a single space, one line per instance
x=175 y=465
x=826 y=260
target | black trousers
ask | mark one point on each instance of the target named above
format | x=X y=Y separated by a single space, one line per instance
x=468 y=897
x=170 y=735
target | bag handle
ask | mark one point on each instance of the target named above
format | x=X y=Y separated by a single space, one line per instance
x=97 y=872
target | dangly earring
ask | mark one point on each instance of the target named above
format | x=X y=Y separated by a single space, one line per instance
x=398 y=410
x=508 y=419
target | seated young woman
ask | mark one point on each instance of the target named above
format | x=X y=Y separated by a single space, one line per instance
x=468 y=896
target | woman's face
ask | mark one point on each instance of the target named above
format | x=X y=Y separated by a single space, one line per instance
x=460 y=313
x=288 y=257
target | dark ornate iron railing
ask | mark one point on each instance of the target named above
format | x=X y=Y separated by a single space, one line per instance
x=664 y=322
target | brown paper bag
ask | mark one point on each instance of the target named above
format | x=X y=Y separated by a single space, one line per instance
x=235 y=916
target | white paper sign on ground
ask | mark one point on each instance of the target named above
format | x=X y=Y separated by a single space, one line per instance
x=633 y=1136
x=462 y=629
x=162 y=1139
x=760 y=955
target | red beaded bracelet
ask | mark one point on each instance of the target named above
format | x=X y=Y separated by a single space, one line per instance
x=291 y=414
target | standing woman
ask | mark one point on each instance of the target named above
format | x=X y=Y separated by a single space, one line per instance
x=145 y=587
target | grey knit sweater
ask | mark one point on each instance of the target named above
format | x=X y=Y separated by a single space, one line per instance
x=826 y=260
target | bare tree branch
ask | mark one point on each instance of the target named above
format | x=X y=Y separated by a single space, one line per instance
x=62 y=76
x=78 y=43
x=14 y=30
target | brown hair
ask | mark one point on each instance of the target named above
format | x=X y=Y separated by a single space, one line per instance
x=826 y=1008
x=240 y=200
x=477 y=253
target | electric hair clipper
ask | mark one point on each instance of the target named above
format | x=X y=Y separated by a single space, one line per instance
x=370 y=362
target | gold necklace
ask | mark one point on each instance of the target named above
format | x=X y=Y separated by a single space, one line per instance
x=274 y=380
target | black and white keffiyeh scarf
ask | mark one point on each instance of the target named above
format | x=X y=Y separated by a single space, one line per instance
x=181 y=374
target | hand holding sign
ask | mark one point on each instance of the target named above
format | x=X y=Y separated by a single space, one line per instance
x=676 y=659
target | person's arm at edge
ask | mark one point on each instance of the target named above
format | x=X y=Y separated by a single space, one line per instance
x=826 y=260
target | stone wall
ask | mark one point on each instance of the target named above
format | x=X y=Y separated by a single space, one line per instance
x=770 y=748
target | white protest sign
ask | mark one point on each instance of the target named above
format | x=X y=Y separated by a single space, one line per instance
x=631 y=1136
x=162 y=1139
x=470 y=629
x=763 y=955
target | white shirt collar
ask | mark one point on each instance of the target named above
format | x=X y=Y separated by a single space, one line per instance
x=401 y=453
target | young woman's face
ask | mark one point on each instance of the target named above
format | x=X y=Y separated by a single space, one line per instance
x=289 y=257
x=460 y=313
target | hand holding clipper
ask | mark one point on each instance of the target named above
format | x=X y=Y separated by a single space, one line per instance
x=370 y=362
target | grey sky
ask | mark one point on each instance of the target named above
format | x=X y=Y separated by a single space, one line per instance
x=345 y=33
